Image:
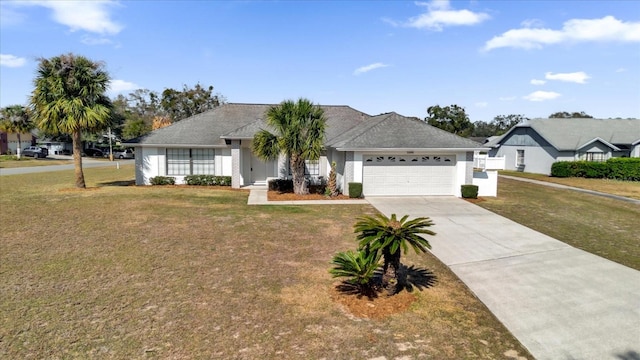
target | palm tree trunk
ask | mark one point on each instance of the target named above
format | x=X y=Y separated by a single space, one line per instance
x=77 y=159
x=297 y=170
x=19 y=150
x=390 y=281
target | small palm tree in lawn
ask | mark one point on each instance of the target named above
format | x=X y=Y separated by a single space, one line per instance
x=17 y=120
x=69 y=98
x=359 y=267
x=299 y=134
x=390 y=236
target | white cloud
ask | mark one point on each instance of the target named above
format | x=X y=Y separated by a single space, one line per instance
x=120 y=86
x=575 y=30
x=90 y=40
x=541 y=96
x=440 y=14
x=532 y=23
x=364 y=69
x=13 y=61
x=537 y=82
x=482 y=104
x=619 y=70
x=579 y=77
x=92 y=16
x=507 y=98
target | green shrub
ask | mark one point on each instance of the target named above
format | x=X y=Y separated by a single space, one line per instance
x=280 y=185
x=561 y=169
x=163 y=180
x=359 y=268
x=614 y=168
x=355 y=190
x=624 y=168
x=208 y=180
x=469 y=191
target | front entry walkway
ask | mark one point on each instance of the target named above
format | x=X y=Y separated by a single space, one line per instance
x=559 y=301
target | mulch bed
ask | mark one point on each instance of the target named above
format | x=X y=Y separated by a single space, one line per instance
x=376 y=308
x=289 y=196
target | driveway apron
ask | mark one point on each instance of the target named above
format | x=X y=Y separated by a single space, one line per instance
x=559 y=301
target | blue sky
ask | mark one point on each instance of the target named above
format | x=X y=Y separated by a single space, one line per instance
x=491 y=57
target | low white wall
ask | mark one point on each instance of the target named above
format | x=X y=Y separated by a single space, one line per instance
x=487 y=182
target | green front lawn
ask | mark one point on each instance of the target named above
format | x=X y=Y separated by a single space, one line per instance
x=602 y=226
x=11 y=161
x=629 y=189
x=119 y=271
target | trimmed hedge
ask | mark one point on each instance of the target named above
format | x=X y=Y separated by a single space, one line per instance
x=163 y=180
x=355 y=190
x=469 y=191
x=614 y=168
x=280 y=185
x=207 y=180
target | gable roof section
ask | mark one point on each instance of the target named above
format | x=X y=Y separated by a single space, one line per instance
x=204 y=129
x=238 y=121
x=394 y=131
x=573 y=134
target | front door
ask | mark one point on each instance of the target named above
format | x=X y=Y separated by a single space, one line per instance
x=258 y=170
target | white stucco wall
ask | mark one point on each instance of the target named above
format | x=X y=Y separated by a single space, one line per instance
x=487 y=182
x=151 y=162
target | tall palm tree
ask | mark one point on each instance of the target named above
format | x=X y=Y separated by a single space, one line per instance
x=390 y=235
x=69 y=98
x=299 y=134
x=16 y=119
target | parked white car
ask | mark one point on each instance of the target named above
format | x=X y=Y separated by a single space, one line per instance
x=124 y=154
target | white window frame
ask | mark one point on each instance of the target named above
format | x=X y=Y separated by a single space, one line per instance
x=595 y=156
x=182 y=161
x=520 y=157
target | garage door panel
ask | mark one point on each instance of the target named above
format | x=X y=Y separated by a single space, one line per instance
x=408 y=175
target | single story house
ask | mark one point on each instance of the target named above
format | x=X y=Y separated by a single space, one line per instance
x=389 y=154
x=536 y=144
x=9 y=142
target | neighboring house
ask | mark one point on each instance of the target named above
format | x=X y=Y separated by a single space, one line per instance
x=389 y=154
x=536 y=144
x=56 y=147
x=9 y=142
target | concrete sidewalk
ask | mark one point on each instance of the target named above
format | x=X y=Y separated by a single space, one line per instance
x=559 y=301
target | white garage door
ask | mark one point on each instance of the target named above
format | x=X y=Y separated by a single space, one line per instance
x=408 y=174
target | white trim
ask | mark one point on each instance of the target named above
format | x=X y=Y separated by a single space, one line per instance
x=409 y=150
x=600 y=140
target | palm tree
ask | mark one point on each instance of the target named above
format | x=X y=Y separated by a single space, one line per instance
x=16 y=119
x=69 y=98
x=299 y=134
x=390 y=235
x=359 y=267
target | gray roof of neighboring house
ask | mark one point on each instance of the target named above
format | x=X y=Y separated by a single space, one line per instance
x=394 y=131
x=573 y=133
x=346 y=128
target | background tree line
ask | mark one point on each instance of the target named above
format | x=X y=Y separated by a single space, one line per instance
x=454 y=119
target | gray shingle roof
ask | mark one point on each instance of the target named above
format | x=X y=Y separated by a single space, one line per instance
x=346 y=128
x=572 y=134
x=239 y=121
x=394 y=131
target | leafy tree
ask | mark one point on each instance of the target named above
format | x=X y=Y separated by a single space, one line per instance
x=17 y=120
x=69 y=97
x=451 y=118
x=179 y=105
x=568 y=115
x=299 y=134
x=483 y=129
x=134 y=128
x=503 y=123
x=389 y=236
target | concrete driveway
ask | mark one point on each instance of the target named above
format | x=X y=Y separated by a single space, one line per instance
x=559 y=301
